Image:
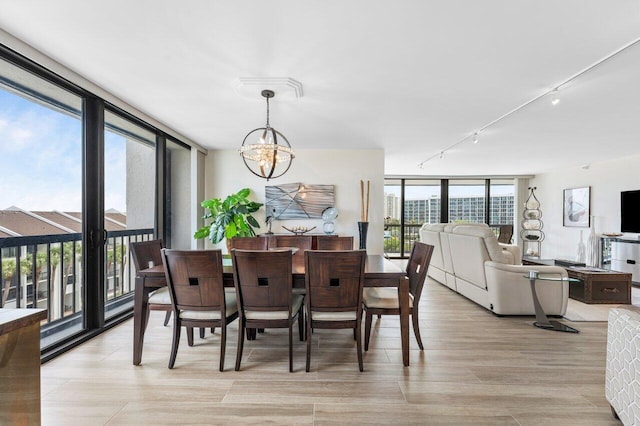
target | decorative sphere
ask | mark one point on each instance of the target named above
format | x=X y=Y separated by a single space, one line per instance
x=328 y=228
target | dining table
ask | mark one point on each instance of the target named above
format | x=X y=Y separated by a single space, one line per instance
x=378 y=272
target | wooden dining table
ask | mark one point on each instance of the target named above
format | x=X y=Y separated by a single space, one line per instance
x=378 y=272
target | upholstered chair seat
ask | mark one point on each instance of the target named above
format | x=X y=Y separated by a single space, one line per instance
x=160 y=297
x=383 y=298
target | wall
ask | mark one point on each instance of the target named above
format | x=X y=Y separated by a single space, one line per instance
x=226 y=173
x=607 y=180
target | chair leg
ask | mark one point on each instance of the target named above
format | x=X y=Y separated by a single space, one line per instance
x=201 y=333
x=309 y=338
x=301 y=324
x=379 y=316
x=223 y=343
x=213 y=330
x=175 y=343
x=190 y=336
x=290 y=346
x=367 y=329
x=167 y=317
x=416 y=328
x=358 y=331
x=240 y=343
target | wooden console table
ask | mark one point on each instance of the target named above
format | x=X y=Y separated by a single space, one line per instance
x=595 y=286
x=20 y=365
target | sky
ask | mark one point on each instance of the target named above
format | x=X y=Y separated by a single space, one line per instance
x=41 y=159
x=427 y=191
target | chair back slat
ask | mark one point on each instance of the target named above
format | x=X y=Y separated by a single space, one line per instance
x=195 y=279
x=263 y=279
x=417 y=267
x=334 y=279
x=144 y=252
x=249 y=243
x=302 y=242
x=325 y=242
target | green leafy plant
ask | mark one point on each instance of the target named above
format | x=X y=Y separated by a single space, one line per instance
x=230 y=218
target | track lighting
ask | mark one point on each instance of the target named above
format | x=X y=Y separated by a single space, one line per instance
x=555 y=100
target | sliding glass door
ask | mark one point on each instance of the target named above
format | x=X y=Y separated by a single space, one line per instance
x=129 y=204
x=41 y=192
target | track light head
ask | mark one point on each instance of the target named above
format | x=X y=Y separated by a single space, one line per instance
x=475 y=138
x=442 y=155
x=555 y=100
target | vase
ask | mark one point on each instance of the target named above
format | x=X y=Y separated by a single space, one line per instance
x=581 y=249
x=363 y=227
x=592 y=245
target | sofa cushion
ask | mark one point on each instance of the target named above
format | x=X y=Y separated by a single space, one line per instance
x=496 y=254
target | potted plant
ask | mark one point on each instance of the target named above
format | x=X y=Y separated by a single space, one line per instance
x=230 y=218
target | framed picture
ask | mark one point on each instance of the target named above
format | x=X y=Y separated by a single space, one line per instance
x=576 y=207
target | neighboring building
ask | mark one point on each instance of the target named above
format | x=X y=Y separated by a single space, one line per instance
x=461 y=209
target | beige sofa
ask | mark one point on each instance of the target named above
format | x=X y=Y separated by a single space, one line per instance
x=469 y=260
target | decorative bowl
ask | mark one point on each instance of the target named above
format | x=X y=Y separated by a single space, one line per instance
x=299 y=230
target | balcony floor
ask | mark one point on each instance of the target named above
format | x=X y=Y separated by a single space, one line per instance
x=476 y=369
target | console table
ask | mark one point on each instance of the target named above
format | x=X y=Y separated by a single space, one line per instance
x=20 y=365
x=595 y=285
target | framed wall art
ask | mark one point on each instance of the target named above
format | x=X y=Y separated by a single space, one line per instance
x=576 y=204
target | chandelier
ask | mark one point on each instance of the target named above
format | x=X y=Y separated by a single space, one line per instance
x=271 y=150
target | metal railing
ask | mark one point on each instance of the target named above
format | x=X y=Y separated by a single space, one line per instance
x=45 y=271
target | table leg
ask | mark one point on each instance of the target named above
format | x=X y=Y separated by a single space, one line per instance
x=403 y=299
x=140 y=314
x=541 y=318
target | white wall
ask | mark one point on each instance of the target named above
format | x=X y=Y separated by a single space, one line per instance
x=607 y=180
x=226 y=173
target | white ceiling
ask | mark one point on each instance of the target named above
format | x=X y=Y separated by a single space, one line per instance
x=410 y=76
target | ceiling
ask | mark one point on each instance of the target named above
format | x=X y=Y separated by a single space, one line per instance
x=411 y=76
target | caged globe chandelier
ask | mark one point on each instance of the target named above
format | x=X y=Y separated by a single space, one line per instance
x=270 y=151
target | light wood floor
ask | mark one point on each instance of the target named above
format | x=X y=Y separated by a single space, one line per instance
x=476 y=369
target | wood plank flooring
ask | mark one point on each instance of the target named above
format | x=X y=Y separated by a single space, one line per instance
x=476 y=369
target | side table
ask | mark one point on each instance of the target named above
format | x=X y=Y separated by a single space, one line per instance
x=541 y=318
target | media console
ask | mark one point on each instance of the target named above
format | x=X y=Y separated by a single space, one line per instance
x=621 y=254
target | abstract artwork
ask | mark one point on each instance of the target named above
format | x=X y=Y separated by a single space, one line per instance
x=298 y=200
x=576 y=207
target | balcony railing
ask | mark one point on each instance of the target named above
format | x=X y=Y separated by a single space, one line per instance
x=45 y=271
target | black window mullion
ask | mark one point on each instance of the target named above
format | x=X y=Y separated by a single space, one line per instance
x=93 y=213
x=444 y=201
x=487 y=201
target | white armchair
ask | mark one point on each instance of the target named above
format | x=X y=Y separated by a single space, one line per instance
x=622 y=384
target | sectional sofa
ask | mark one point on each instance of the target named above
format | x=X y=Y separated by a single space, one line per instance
x=468 y=259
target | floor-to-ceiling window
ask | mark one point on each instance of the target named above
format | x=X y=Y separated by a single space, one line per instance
x=41 y=199
x=178 y=189
x=79 y=184
x=129 y=203
x=411 y=202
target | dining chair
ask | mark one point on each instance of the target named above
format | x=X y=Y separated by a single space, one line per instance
x=301 y=242
x=326 y=242
x=146 y=254
x=334 y=280
x=505 y=234
x=384 y=300
x=195 y=282
x=263 y=282
x=249 y=243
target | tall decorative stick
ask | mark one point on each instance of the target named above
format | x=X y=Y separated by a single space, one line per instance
x=366 y=216
x=361 y=200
